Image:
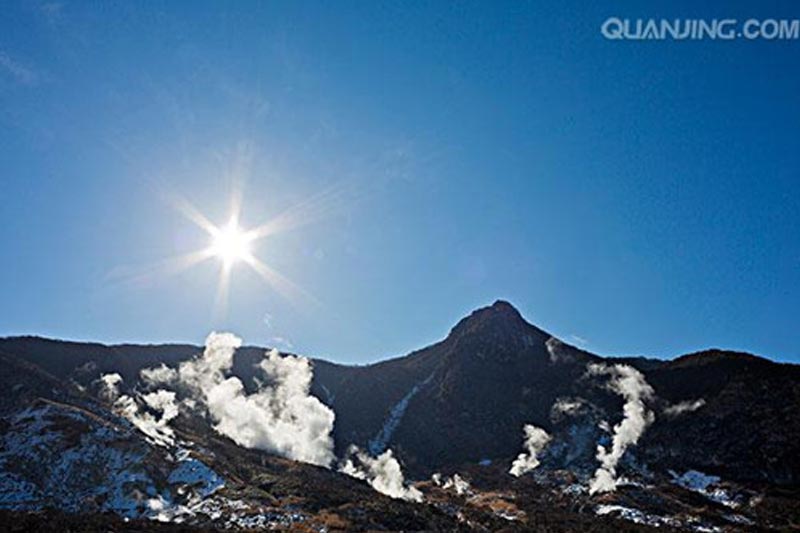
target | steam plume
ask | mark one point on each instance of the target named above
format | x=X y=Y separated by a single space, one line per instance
x=281 y=417
x=566 y=407
x=109 y=386
x=456 y=482
x=556 y=350
x=382 y=472
x=160 y=374
x=161 y=401
x=684 y=407
x=536 y=439
x=631 y=385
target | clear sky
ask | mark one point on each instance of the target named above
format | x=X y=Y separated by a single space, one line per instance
x=638 y=197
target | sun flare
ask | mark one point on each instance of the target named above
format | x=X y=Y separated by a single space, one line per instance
x=231 y=244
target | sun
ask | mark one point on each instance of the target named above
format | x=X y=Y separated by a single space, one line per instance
x=231 y=244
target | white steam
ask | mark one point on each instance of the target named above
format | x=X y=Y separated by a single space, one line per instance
x=556 y=350
x=631 y=385
x=160 y=374
x=109 y=386
x=566 y=407
x=382 y=472
x=281 y=417
x=536 y=439
x=162 y=401
x=457 y=483
x=684 y=407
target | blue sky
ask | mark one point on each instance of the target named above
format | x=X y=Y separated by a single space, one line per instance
x=641 y=197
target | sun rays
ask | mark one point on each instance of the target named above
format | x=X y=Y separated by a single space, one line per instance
x=233 y=247
x=231 y=244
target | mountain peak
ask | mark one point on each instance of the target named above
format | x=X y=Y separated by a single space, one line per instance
x=500 y=317
x=503 y=306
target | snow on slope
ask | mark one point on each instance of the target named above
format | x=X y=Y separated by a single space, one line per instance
x=60 y=456
x=380 y=442
x=704 y=484
x=197 y=475
x=64 y=458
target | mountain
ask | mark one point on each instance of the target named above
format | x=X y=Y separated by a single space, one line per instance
x=461 y=400
x=467 y=397
x=66 y=458
x=711 y=439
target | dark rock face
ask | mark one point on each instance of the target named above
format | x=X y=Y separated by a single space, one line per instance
x=748 y=427
x=474 y=390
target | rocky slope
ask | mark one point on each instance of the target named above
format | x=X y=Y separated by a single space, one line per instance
x=715 y=447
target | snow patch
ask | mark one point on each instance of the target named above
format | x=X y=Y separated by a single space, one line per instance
x=195 y=474
x=378 y=444
x=636 y=516
x=329 y=398
x=61 y=457
x=40 y=465
x=704 y=484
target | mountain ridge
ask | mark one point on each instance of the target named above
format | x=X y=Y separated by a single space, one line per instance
x=458 y=406
x=500 y=308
